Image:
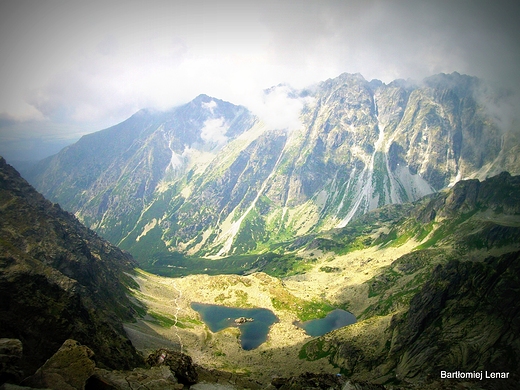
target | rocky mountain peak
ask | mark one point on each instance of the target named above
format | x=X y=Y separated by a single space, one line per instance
x=209 y=178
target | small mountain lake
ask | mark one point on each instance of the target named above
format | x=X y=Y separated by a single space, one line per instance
x=253 y=333
x=334 y=320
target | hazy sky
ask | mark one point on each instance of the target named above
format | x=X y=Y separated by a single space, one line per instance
x=69 y=67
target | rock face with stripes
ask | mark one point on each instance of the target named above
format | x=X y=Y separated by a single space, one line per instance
x=211 y=179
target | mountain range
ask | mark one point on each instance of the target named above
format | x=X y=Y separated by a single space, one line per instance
x=397 y=202
x=210 y=179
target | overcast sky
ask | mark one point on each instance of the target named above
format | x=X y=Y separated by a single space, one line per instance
x=69 y=67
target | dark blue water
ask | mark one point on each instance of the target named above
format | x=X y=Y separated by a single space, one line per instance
x=253 y=334
x=334 y=320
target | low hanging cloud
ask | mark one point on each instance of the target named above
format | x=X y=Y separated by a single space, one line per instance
x=92 y=64
x=279 y=107
x=214 y=131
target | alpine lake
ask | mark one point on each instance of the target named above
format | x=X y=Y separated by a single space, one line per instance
x=254 y=323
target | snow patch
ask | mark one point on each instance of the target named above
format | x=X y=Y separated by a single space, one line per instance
x=457 y=179
x=321 y=199
x=414 y=185
x=176 y=160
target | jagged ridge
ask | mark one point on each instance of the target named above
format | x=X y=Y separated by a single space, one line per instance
x=209 y=179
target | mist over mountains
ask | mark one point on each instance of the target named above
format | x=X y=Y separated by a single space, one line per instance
x=211 y=179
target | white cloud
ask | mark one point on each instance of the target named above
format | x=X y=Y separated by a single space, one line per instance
x=93 y=64
x=278 y=107
x=214 y=131
x=210 y=105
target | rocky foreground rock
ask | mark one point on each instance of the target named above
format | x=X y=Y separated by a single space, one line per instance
x=67 y=369
x=72 y=368
x=11 y=351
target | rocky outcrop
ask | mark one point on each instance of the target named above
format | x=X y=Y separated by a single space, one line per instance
x=68 y=369
x=467 y=317
x=72 y=368
x=59 y=280
x=160 y=377
x=243 y=320
x=180 y=364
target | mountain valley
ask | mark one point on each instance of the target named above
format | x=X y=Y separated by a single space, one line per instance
x=381 y=283
x=399 y=203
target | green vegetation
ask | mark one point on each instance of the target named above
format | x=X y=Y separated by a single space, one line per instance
x=391 y=303
x=316 y=350
x=396 y=284
x=176 y=265
x=283 y=266
x=315 y=309
x=424 y=230
x=166 y=321
x=402 y=239
x=252 y=231
x=447 y=229
x=386 y=238
x=328 y=269
x=162 y=320
x=305 y=310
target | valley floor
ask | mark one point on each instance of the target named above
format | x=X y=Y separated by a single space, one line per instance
x=170 y=321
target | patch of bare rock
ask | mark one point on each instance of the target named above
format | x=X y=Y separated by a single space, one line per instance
x=72 y=368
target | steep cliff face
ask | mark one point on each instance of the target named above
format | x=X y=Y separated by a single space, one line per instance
x=208 y=178
x=59 y=280
x=466 y=316
x=449 y=304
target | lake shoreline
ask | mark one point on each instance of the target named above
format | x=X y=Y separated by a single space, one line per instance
x=254 y=323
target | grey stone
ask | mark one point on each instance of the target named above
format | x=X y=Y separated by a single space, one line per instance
x=68 y=369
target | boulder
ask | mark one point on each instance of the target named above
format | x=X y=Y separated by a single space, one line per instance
x=11 y=347
x=180 y=364
x=155 y=378
x=243 y=320
x=68 y=369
